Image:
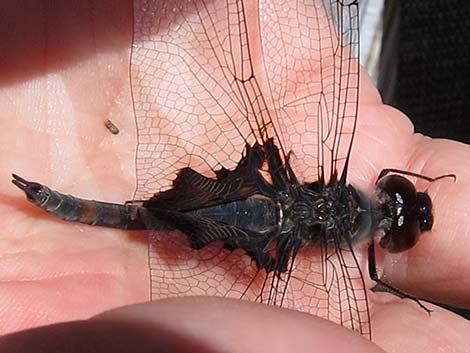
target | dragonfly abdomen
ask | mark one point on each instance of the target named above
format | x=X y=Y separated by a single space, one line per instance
x=95 y=213
x=257 y=214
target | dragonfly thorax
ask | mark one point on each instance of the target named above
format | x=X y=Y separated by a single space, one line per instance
x=325 y=212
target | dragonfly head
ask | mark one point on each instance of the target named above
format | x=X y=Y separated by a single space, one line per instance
x=409 y=212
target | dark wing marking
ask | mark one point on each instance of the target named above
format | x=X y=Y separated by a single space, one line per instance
x=191 y=190
x=179 y=270
x=203 y=231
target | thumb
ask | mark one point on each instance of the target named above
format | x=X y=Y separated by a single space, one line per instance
x=192 y=324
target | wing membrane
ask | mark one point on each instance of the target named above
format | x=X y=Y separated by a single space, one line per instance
x=327 y=282
x=314 y=80
x=207 y=80
x=197 y=98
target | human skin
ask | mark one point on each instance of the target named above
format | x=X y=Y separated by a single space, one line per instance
x=59 y=85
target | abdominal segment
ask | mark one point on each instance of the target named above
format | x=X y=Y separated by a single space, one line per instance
x=96 y=213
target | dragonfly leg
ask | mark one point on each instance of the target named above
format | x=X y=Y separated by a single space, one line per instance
x=381 y=286
x=387 y=171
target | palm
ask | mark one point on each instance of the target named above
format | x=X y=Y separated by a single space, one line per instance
x=55 y=271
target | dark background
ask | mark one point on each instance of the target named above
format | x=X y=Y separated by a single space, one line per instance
x=424 y=66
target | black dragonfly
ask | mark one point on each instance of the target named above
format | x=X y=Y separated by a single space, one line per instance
x=226 y=96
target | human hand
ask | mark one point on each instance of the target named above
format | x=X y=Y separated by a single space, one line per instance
x=53 y=109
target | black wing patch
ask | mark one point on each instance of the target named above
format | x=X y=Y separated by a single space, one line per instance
x=203 y=231
x=192 y=190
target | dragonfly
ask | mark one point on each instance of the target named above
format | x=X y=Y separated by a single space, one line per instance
x=220 y=127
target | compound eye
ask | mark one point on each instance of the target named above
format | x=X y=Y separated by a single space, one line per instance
x=425 y=224
x=424 y=214
x=407 y=216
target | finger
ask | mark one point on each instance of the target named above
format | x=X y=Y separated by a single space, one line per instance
x=193 y=325
x=435 y=268
x=402 y=326
x=242 y=326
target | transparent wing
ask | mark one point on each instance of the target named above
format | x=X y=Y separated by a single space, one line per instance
x=196 y=89
x=309 y=54
x=178 y=270
x=208 y=77
x=326 y=282
x=331 y=285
